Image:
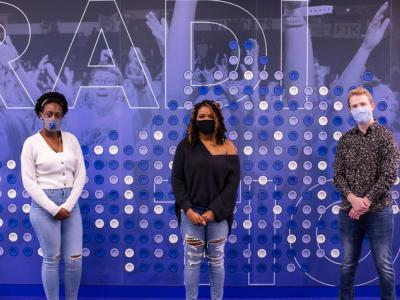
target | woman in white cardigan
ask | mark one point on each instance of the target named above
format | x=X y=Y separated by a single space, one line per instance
x=54 y=174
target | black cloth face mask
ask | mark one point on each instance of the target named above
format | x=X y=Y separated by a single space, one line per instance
x=206 y=126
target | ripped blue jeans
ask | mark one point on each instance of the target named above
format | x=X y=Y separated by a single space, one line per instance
x=59 y=239
x=204 y=241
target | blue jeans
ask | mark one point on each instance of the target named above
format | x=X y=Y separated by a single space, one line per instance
x=200 y=241
x=379 y=228
x=59 y=239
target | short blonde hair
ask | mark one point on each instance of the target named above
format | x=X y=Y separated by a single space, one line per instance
x=358 y=92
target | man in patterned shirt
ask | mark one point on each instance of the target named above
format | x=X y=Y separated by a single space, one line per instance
x=367 y=159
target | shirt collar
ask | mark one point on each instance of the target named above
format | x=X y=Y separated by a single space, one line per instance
x=371 y=128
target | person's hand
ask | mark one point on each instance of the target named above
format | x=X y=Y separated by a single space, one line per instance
x=157 y=29
x=376 y=29
x=360 y=205
x=62 y=214
x=69 y=74
x=136 y=69
x=224 y=65
x=41 y=65
x=208 y=216
x=354 y=215
x=194 y=217
x=50 y=70
x=106 y=56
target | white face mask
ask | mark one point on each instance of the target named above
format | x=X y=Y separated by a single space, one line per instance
x=362 y=115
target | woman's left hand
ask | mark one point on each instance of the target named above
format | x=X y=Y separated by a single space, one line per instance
x=208 y=216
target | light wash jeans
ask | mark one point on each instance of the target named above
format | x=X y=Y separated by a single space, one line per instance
x=59 y=239
x=379 y=228
x=200 y=241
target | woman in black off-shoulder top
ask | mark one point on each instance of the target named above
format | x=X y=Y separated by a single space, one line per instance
x=205 y=179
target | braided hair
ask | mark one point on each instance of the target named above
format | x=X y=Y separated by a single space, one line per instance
x=219 y=128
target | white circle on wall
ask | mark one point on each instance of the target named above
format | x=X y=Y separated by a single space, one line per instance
x=278 y=75
x=143 y=135
x=248 y=75
x=128 y=209
x=188 y=105
x=129 y=267
x=11 y=164
x=188 y=90
x=99 y=223
x=248 y=105
x=293 y=90
x=262 y=253
x=188 y=75
x=248 y=60
x=338 y=105
x=262 y=180
x=113 y=150
x=308 y=105
x=323 y=91
x=98 y=150
x=218 y=75
x=128 y=194
x=158 y=135
x=278 y=135
x=323 y=121
x=263 y=75
x=233 y=75
x=248 y=150
x=12 y=193
x=129 y=252
x=263 y=105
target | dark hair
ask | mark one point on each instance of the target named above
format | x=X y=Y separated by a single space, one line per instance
x=51 y=97
x=219 y=129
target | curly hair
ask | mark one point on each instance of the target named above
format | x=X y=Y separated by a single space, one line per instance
x=219 y=128
x=51 y=97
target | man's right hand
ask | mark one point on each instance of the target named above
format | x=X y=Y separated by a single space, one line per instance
x=62 y=214
x=194 y=217
x=360 y=205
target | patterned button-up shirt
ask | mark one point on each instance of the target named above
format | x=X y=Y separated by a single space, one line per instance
x=366 y=165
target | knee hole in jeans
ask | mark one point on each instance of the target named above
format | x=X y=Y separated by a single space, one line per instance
x=76 y=257
x=194 y=251
x=216 y=258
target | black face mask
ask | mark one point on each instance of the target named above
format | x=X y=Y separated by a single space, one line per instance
x=206 y=126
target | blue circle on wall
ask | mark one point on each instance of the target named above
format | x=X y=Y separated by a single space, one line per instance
x=293 y=75
x=173 y=105
x=338 y=90
x=293 y=105
x=248 y=90
x=233 y=45
x=173 y=120
x=382 y=106
x=113 y=164
x=98 y=164
x=248 y=44
x=263 y=120
x=85 y=150
x=218 y=90
x=264 y=60
x=113 y=135
x=263 y=90
x=128 y=150
x=368 y=75
x=203 y=90
x=11 y=179
x=278 y=105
